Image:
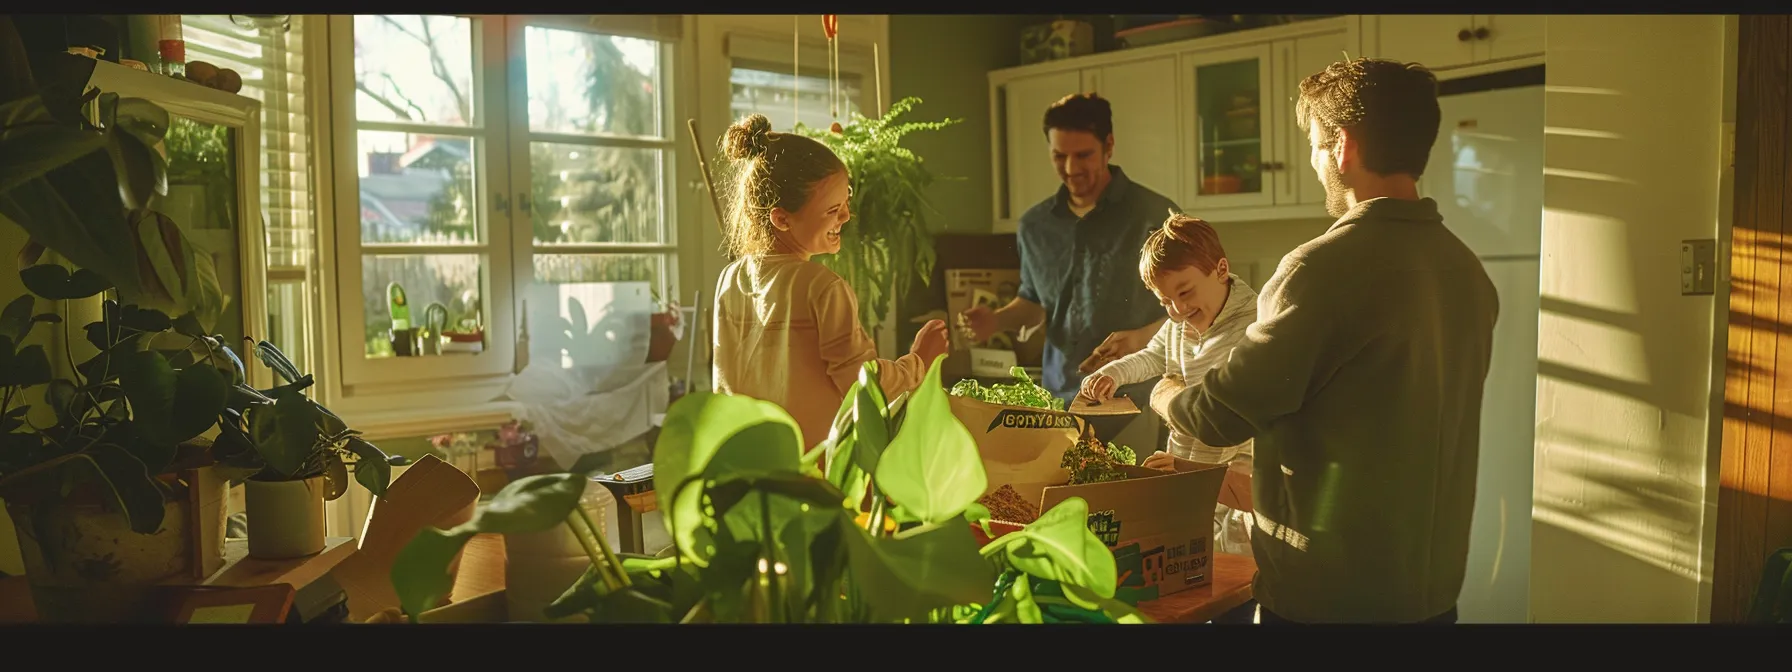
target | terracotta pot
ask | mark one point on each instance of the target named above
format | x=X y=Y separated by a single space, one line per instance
x=661 y=337
x=286 y=518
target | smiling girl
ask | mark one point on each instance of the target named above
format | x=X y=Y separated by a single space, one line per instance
x=1208 y=308
x=787 y=328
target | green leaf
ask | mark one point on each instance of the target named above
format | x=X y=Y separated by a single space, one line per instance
x=143 y=319
x=932 y=467
x=142 y=172
x=420 y=572
x=1059 y=547
x=170 y=406
x=54 y=282
x=285 y=432
x=978 y=514
x=532 y=504
x=136 y=493
x=372 y=470
x=33 y=144
x=15 y=319
x=871 y=427
x=908 y=577
x=25 y=368
x=712 y=436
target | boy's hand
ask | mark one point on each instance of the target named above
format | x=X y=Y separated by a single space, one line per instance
x=1097 y=388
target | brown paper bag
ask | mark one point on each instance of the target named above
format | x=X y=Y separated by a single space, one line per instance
x=1021 y=447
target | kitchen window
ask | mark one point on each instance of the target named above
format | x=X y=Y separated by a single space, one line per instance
x=479 y=156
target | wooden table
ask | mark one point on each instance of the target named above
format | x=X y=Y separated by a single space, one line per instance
x=239 y=571
x=1231 y=587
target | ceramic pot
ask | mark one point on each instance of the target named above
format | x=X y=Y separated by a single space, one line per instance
x=85 y=565
x=286 y=518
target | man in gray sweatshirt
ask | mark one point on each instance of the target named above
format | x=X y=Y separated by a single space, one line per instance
x=1361 y=382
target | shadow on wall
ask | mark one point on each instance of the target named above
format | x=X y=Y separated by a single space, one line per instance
x=1632 y=131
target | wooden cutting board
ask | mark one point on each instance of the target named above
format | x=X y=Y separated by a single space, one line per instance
x=431 y=492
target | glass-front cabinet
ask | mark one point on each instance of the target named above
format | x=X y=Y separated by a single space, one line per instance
x=1228 y=150
x=212 y=149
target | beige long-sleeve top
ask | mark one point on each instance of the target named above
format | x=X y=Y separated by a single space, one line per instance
x=787 y=331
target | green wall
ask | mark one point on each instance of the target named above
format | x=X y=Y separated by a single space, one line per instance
x=945 y=61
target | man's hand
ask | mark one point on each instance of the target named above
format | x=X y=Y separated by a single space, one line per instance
x=1167 y=388
x=978 y=323
x=930 y=342
x=1119 y=344
x=1097 y=388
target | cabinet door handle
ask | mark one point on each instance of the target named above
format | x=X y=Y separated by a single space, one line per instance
x=522 y=202
x=1464 y=35
x=502 y=203
x=1482 y=33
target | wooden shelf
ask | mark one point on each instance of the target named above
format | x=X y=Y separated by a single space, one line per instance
x=242 y=571
x=239 y=571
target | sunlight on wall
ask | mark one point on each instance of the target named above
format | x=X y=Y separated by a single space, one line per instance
x=1633 y=108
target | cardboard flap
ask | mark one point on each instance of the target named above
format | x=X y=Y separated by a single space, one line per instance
x=1120 y=405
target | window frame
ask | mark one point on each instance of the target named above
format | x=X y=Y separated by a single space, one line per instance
x=490 y=178
x=399 y=396
x=522 y=137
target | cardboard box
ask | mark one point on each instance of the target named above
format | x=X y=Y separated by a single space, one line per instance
x=1159 y=525
x=993 y=287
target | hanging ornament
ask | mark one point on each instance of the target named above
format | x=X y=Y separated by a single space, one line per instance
x=796 y=71
x=830 y=26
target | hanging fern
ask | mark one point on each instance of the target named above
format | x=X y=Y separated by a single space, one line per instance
x=889 y=241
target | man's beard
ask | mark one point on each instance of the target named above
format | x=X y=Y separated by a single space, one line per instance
x=1337 y=200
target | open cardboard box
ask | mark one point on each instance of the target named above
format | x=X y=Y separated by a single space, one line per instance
x=1159 y=525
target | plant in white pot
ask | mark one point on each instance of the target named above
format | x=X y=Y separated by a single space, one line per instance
x=302 y=456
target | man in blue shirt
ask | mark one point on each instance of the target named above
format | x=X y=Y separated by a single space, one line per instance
x=1079 y=252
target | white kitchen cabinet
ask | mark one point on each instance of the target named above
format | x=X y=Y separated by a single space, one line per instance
x=1447 y=41
x=1296 y=183
x=1145 y=129
x=1030 y=175
x=1207 y=122
x=1228 y=145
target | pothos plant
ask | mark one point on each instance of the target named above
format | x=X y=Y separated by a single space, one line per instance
x=763 y=533
x=890 y=240
x=117 y=427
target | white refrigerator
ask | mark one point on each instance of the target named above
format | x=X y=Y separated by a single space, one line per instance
x=1486 y=174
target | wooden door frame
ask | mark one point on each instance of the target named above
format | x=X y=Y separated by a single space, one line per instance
x=1754 y=510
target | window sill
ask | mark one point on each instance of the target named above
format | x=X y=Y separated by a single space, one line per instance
x=379 y=426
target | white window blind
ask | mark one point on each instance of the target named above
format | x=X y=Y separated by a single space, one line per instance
x=271 y=61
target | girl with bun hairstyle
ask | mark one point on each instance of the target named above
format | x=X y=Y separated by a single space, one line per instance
x=787 y=328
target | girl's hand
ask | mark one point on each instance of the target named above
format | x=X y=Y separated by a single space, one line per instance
x=1097 y=388
x=930 y=342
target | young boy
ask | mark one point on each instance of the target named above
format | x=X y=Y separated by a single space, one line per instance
x=1209 y=308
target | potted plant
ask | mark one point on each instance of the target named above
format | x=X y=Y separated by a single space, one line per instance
x=102 y=464
x=891 y=236
x=763 y=534
x=300 y=455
